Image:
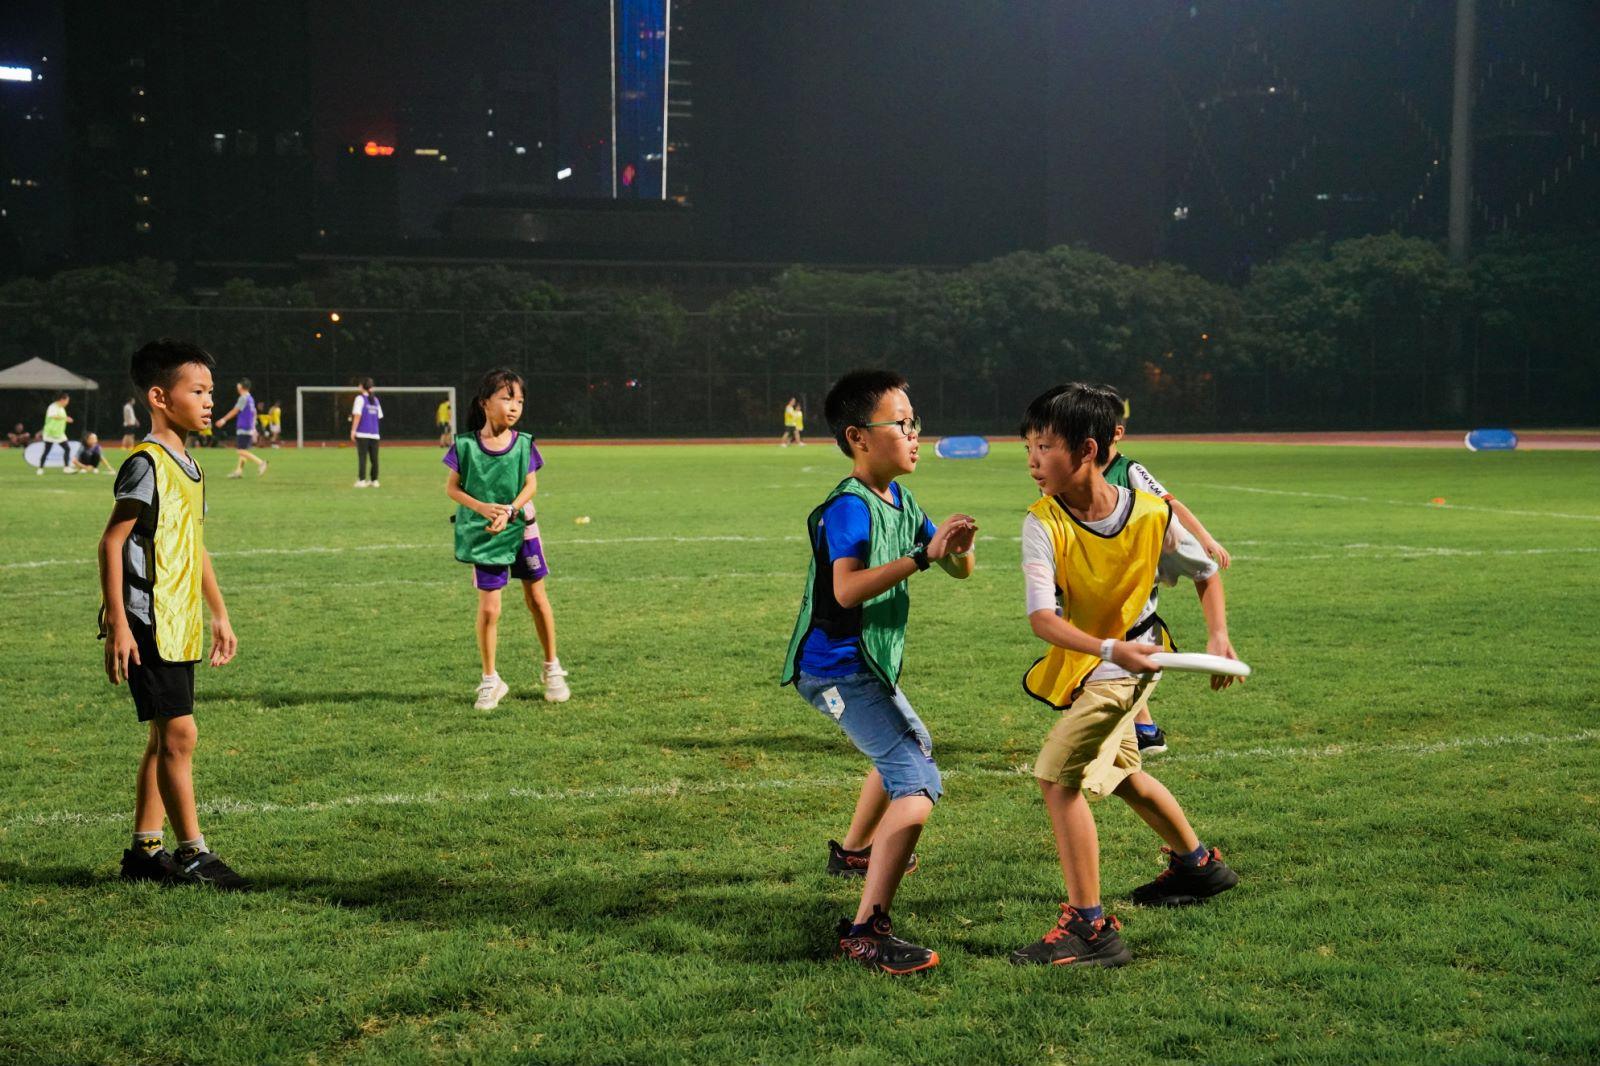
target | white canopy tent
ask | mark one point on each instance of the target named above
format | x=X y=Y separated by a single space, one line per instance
x=43 y=375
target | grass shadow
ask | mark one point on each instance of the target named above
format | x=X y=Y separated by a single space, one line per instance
x=60 y=876
x=747 y=915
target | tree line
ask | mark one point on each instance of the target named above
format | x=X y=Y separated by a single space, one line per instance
x=1373 y=330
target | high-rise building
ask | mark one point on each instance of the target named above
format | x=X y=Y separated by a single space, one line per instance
x=680 y=105
x=192 y=126
x=33 y=138
x=642 y=43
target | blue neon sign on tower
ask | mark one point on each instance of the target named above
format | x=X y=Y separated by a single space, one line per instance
x=641 y=39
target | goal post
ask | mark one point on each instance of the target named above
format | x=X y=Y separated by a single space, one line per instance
x=447 y=391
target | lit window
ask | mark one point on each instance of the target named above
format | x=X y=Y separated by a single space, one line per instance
x=141 y=227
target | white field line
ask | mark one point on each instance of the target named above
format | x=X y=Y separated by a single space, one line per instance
x=463 y=578
x=1406 y=503
x=1349 y=551
x=442 y=546
x=675 y=789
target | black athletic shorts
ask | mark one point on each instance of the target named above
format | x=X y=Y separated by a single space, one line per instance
x=160 y=689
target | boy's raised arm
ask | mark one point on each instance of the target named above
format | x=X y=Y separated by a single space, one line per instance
x=1207 y=541
x=854 y=584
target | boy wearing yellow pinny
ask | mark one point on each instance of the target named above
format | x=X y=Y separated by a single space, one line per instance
x=154 y=573
x=1101 y=549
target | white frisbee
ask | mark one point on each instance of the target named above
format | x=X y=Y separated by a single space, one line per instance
x=1194 y=662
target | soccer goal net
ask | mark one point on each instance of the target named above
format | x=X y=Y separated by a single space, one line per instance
x=410 y=412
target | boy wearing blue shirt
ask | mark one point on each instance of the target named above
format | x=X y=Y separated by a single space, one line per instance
x=867 y=538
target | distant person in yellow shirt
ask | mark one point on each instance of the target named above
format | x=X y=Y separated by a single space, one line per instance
x=442 y=421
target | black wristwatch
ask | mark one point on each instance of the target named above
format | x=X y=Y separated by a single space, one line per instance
x=919 y=555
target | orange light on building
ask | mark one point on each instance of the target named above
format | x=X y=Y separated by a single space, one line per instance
x=374 y=148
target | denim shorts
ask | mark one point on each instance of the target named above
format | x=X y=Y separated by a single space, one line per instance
x=882 y=726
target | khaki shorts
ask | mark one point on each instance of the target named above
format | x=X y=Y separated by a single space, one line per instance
x=1093 y=745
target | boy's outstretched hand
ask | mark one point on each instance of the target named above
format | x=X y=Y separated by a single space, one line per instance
x=224 y=645
x=954 y=537
x=121 y=650
x=1221 y=645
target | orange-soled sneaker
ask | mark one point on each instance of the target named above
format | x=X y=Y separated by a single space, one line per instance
x=879 y=949
x=842 y=863
x=1180 y=883
x=1076 y=941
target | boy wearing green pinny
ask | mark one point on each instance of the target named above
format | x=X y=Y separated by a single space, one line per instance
x=867 y=539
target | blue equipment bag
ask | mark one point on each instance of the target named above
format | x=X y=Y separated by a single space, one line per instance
x=1491 y=440
x=961 y=448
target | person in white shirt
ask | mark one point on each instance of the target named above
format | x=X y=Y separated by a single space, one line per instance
x=130 y=424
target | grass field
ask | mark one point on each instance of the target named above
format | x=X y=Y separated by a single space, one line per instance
x=1409 y=787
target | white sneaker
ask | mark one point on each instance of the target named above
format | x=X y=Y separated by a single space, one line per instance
x=236 y=473
x=490 y=693
x=362 y=484
x=69 y=470
x=373 y=483
x=555 y=685
x=39 y=470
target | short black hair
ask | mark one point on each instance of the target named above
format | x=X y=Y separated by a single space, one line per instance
x=366 y=383
x=156 y=365
x=1075 y=412
x=246 y=383
x=854 y=397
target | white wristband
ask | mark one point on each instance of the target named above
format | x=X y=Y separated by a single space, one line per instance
x=1106 y=647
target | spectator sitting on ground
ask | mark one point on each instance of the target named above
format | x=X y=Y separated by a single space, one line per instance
x=19 y=437
x=89 y=459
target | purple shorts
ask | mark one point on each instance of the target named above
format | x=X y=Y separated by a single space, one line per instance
x=530 y=565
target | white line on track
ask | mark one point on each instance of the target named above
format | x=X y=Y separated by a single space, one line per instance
x=675 y=789
x=1405 y=503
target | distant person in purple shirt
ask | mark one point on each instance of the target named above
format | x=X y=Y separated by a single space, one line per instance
x=244 y=409
x=364 y=418
x=493 y=481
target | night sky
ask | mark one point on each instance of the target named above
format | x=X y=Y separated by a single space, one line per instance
x=949 y=131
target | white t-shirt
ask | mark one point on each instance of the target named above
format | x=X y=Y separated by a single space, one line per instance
x=1144 y=481
x=1181 y=555
x=129 y=418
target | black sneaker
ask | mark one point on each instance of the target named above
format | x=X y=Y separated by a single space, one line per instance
x=204 y=868
x=141 y=865
x=1180 y=884
x=842 y=863
x=1076 y=942
x=1152 y=743
x=882 y=951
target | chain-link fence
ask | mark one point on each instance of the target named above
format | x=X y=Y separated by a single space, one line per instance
x=681 y=374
